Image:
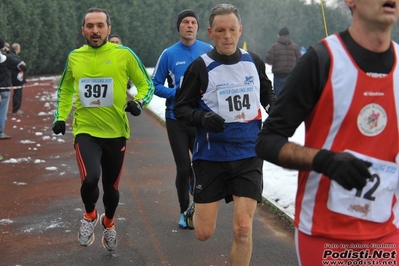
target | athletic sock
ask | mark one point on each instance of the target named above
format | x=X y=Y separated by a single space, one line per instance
x=91 y=216
x=108 y=223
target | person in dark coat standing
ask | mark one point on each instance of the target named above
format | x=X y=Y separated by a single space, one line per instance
x=282 y=56
x=18 y=80
x=7 y=62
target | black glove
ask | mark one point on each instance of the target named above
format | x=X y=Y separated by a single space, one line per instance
x=349 y=171
x=134 y=108
x=212 y=122
x=59 y=127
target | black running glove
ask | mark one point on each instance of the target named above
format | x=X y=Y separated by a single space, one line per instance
x=349 y=171
x=59 y=127
x=212 y=122
x=134 y=108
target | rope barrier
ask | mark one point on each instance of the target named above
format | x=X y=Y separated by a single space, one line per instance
x=35 y=84
x=324 y=18
x=25 y=86
x=11 y=88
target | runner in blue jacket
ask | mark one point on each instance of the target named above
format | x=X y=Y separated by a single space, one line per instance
x=171 y=66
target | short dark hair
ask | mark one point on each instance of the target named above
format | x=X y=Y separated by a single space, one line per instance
x=223 y=9
x=114 y=36
x=96 y=9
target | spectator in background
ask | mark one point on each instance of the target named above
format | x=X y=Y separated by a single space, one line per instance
x=114 y=38
x=7 y=63
x=6 y=48
x=2 y=59
x=171 y=66
x=282 y=56
x=18 y=80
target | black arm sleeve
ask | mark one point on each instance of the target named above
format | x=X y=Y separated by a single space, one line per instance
x=189 y=94
x=14 y=62
x=299 y=95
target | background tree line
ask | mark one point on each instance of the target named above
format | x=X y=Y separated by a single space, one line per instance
x=49 y=29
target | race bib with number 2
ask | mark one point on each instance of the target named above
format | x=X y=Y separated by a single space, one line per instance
x=373 y=202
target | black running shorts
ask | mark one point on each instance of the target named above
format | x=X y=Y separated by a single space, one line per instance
x=214 y=181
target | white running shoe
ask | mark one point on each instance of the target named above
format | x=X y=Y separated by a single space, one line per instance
x=109 y=236
x=86 y=232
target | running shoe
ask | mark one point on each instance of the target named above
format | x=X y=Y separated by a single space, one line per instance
x=86 y=232
x=189 y=213
x=19 y=112
x=182 y=221
x=109 y=236
x=4 y=136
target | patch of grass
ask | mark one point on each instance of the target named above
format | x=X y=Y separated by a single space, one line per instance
x=279 y=213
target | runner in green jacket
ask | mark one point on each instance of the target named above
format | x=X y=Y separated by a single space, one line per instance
x=97 y=74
